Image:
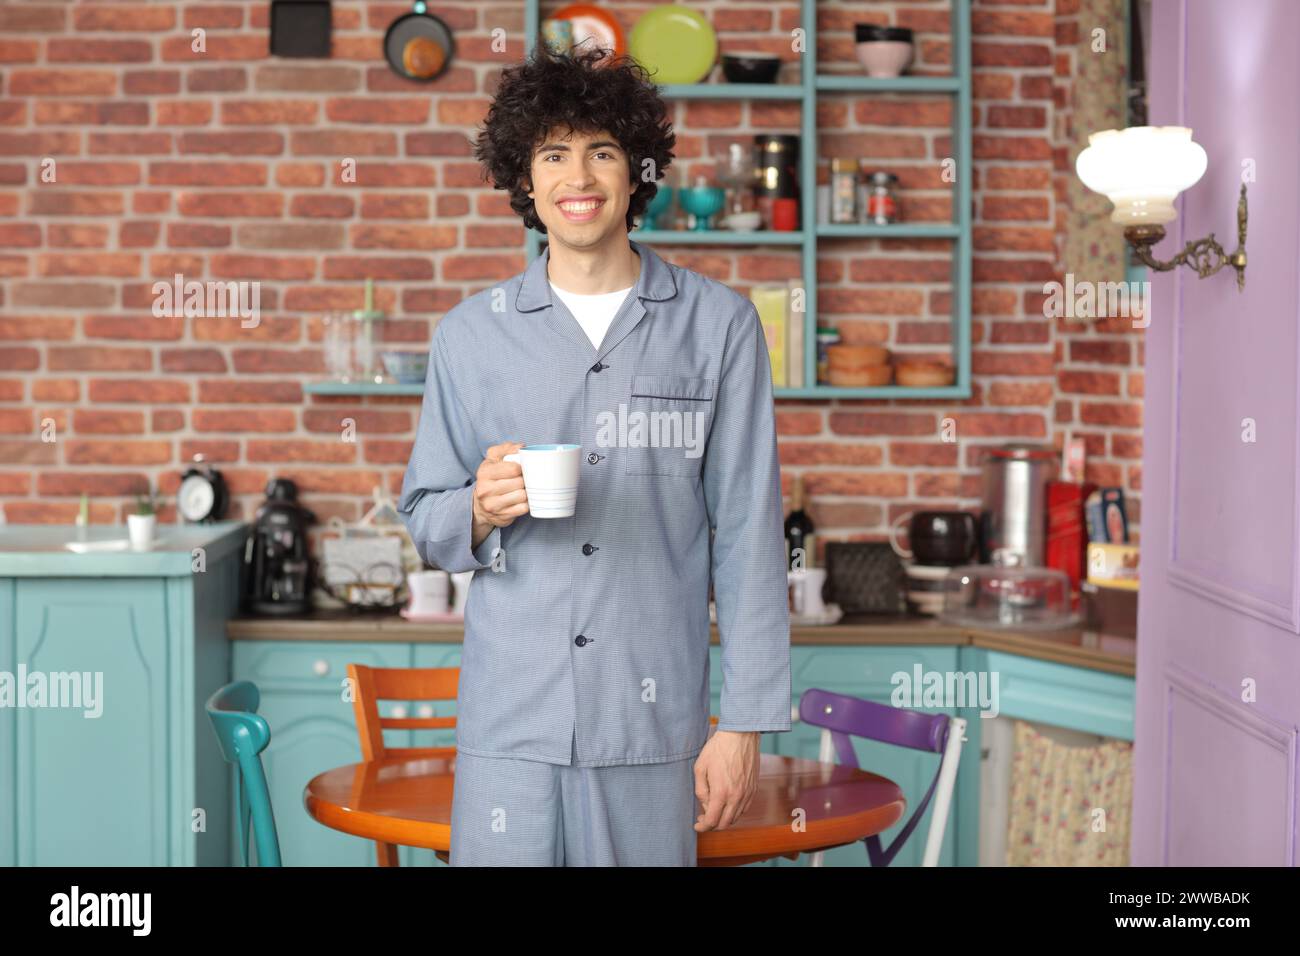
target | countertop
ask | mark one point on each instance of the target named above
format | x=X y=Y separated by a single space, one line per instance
x=1078 y=648
x=36 y=550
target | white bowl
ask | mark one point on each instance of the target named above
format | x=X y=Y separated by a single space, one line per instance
x=743 y=221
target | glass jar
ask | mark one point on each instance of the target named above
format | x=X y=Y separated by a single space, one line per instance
x=880 y=207
x=844 y=182
x=338 y=333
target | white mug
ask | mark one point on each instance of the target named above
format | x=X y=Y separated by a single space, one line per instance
x=550 y=478
x=429 y=592
x=806 y=591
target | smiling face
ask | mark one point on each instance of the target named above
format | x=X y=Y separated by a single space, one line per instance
x=580 y=187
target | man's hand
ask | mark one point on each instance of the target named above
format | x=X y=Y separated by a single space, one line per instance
x=499 y=495
x=726 y=776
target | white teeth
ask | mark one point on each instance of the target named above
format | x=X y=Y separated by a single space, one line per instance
x=578 y=206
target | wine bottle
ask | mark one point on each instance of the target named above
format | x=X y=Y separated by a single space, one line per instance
x=798 y=531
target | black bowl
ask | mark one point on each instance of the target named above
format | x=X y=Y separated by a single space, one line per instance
x=874 y=32
x=750 y=67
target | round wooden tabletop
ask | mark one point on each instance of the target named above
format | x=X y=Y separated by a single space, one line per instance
x=801 y=806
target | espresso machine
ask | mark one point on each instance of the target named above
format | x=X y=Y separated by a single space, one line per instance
x=278 y=576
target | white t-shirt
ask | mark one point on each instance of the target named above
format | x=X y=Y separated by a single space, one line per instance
x=593 y=312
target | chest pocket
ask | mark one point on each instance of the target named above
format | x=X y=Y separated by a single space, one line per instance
x=669 y=418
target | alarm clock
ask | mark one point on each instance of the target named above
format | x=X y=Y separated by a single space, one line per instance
x=202 y=496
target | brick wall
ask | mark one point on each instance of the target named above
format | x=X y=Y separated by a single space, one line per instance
x=224 y=165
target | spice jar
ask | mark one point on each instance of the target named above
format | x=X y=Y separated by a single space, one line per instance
x=826 y=337
x=844 y=188
x=881 y=206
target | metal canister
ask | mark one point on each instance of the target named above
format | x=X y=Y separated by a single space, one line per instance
x=1013 y=522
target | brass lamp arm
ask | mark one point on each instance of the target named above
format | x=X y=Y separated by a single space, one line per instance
x=1205 y=256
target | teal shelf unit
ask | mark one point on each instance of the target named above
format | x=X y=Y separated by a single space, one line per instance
x=807 y=238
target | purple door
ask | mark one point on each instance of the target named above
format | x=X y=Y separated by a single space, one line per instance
x=1218 y=676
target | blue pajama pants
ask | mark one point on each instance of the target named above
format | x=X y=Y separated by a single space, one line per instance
x=509 y=812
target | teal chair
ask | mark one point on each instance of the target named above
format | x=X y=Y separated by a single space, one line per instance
x=243 y=735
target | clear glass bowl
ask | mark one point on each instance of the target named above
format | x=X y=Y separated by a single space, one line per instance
x=1015 y=598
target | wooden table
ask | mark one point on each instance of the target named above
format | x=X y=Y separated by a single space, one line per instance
x=407 y=801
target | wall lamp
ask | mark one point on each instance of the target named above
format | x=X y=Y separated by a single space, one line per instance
x=1142 y=170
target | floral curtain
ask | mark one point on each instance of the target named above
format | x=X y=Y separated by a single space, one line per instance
x=1070 y=806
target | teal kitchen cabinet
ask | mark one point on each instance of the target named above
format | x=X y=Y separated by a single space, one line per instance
x=313 y=729
x=117 y=765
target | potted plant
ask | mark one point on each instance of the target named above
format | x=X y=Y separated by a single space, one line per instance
x=142 y=525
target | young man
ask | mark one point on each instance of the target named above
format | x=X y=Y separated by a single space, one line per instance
x=583 y=709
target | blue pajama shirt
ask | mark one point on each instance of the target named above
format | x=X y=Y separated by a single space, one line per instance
x=587 y=638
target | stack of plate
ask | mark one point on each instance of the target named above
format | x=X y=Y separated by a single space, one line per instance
x=926 y=584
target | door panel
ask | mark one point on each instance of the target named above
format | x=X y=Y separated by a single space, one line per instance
x=116 y=628
x=1218 y=651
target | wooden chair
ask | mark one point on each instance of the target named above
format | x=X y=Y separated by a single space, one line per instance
x=370 y=685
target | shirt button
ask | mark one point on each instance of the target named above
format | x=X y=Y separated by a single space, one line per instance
x=587 y=549
x=597 y=367
x=592 y=458
x=580 y=640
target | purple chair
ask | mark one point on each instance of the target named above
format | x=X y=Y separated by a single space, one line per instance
x=842 y=717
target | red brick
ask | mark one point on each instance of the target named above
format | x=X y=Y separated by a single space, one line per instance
x=1102 y=351
x=882 y=423
x=213 y=450
x=829 y=453
x=98 y=358
x=1128 y=415
x=244 y=420
x=97 y=421
x=872 y=484
x=156 y=391
x=79 y=451
x=1088 y=383
x=282 y=450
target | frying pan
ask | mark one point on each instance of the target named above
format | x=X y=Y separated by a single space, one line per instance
x=418 y=45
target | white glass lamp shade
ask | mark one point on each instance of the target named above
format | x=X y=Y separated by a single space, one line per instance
x=1141 y=170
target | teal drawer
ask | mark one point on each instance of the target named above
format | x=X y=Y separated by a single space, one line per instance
x=316 y=666
x=1076 y=698
x=864 y=671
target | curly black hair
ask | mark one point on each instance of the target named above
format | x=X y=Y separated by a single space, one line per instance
x=586 y=92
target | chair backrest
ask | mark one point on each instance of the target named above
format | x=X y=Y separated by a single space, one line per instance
x=370 y=685
x=842 y=717
x=242 y=735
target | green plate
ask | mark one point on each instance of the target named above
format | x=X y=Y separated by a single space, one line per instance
x=675 y=44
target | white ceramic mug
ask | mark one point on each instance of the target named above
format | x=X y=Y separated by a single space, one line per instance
x=806 y=591
x=550 y=478
x=430 y=592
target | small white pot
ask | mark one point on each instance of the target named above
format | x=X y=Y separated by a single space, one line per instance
x=141 y=529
